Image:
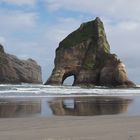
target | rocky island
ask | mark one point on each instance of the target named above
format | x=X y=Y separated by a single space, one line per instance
x=16 y=71
x=85 y=54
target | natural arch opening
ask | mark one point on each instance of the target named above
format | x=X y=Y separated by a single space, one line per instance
x=69 y=79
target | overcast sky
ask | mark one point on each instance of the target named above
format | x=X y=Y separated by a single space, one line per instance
x=33 y=28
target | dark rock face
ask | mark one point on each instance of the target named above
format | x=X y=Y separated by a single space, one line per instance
x=14 y=70
x=85 y=54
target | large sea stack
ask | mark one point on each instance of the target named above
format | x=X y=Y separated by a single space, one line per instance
x=16 y=71
x=85 y=54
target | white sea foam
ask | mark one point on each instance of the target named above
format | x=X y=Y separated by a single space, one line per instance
x=138 y=86
x=20 y=91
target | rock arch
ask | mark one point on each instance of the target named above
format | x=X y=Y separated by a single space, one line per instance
x=68 y=74
x=85 y=53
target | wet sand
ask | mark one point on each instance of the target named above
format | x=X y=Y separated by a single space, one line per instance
x=97 y=118
x=109 y=127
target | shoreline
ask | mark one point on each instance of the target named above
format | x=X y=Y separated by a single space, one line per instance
x=108 y=127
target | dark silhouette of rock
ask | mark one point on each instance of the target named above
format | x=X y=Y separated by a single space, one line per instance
x=90 y=106
x=14 y=70
x=9 y=108
x=85 y=54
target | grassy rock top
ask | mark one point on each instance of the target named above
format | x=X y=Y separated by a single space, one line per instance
x=90 y=30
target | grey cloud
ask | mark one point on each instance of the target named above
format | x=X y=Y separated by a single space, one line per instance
x=115 y=9
x=124 y=41
x=20 y=2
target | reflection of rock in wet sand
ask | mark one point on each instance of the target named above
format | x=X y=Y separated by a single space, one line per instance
x=19 y=108
x=89 y=106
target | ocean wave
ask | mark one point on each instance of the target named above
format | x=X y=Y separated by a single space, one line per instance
x=9 y=91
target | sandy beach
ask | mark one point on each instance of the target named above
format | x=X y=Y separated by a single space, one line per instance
x=112 y=127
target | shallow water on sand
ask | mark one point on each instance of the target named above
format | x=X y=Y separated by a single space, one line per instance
x=46 y=101
x=69 y=106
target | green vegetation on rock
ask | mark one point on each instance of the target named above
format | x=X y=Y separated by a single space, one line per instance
x=85 y=32
x=88 y=66
x=2 y=60
x=93 y=30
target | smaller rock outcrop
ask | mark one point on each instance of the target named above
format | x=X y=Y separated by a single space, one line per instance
x=15 y=71
x=85 y=54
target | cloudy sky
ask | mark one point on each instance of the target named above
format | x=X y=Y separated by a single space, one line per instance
x=33 y=28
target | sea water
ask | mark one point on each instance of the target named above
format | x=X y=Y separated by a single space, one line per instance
x=29 y=100
x=33 y=91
